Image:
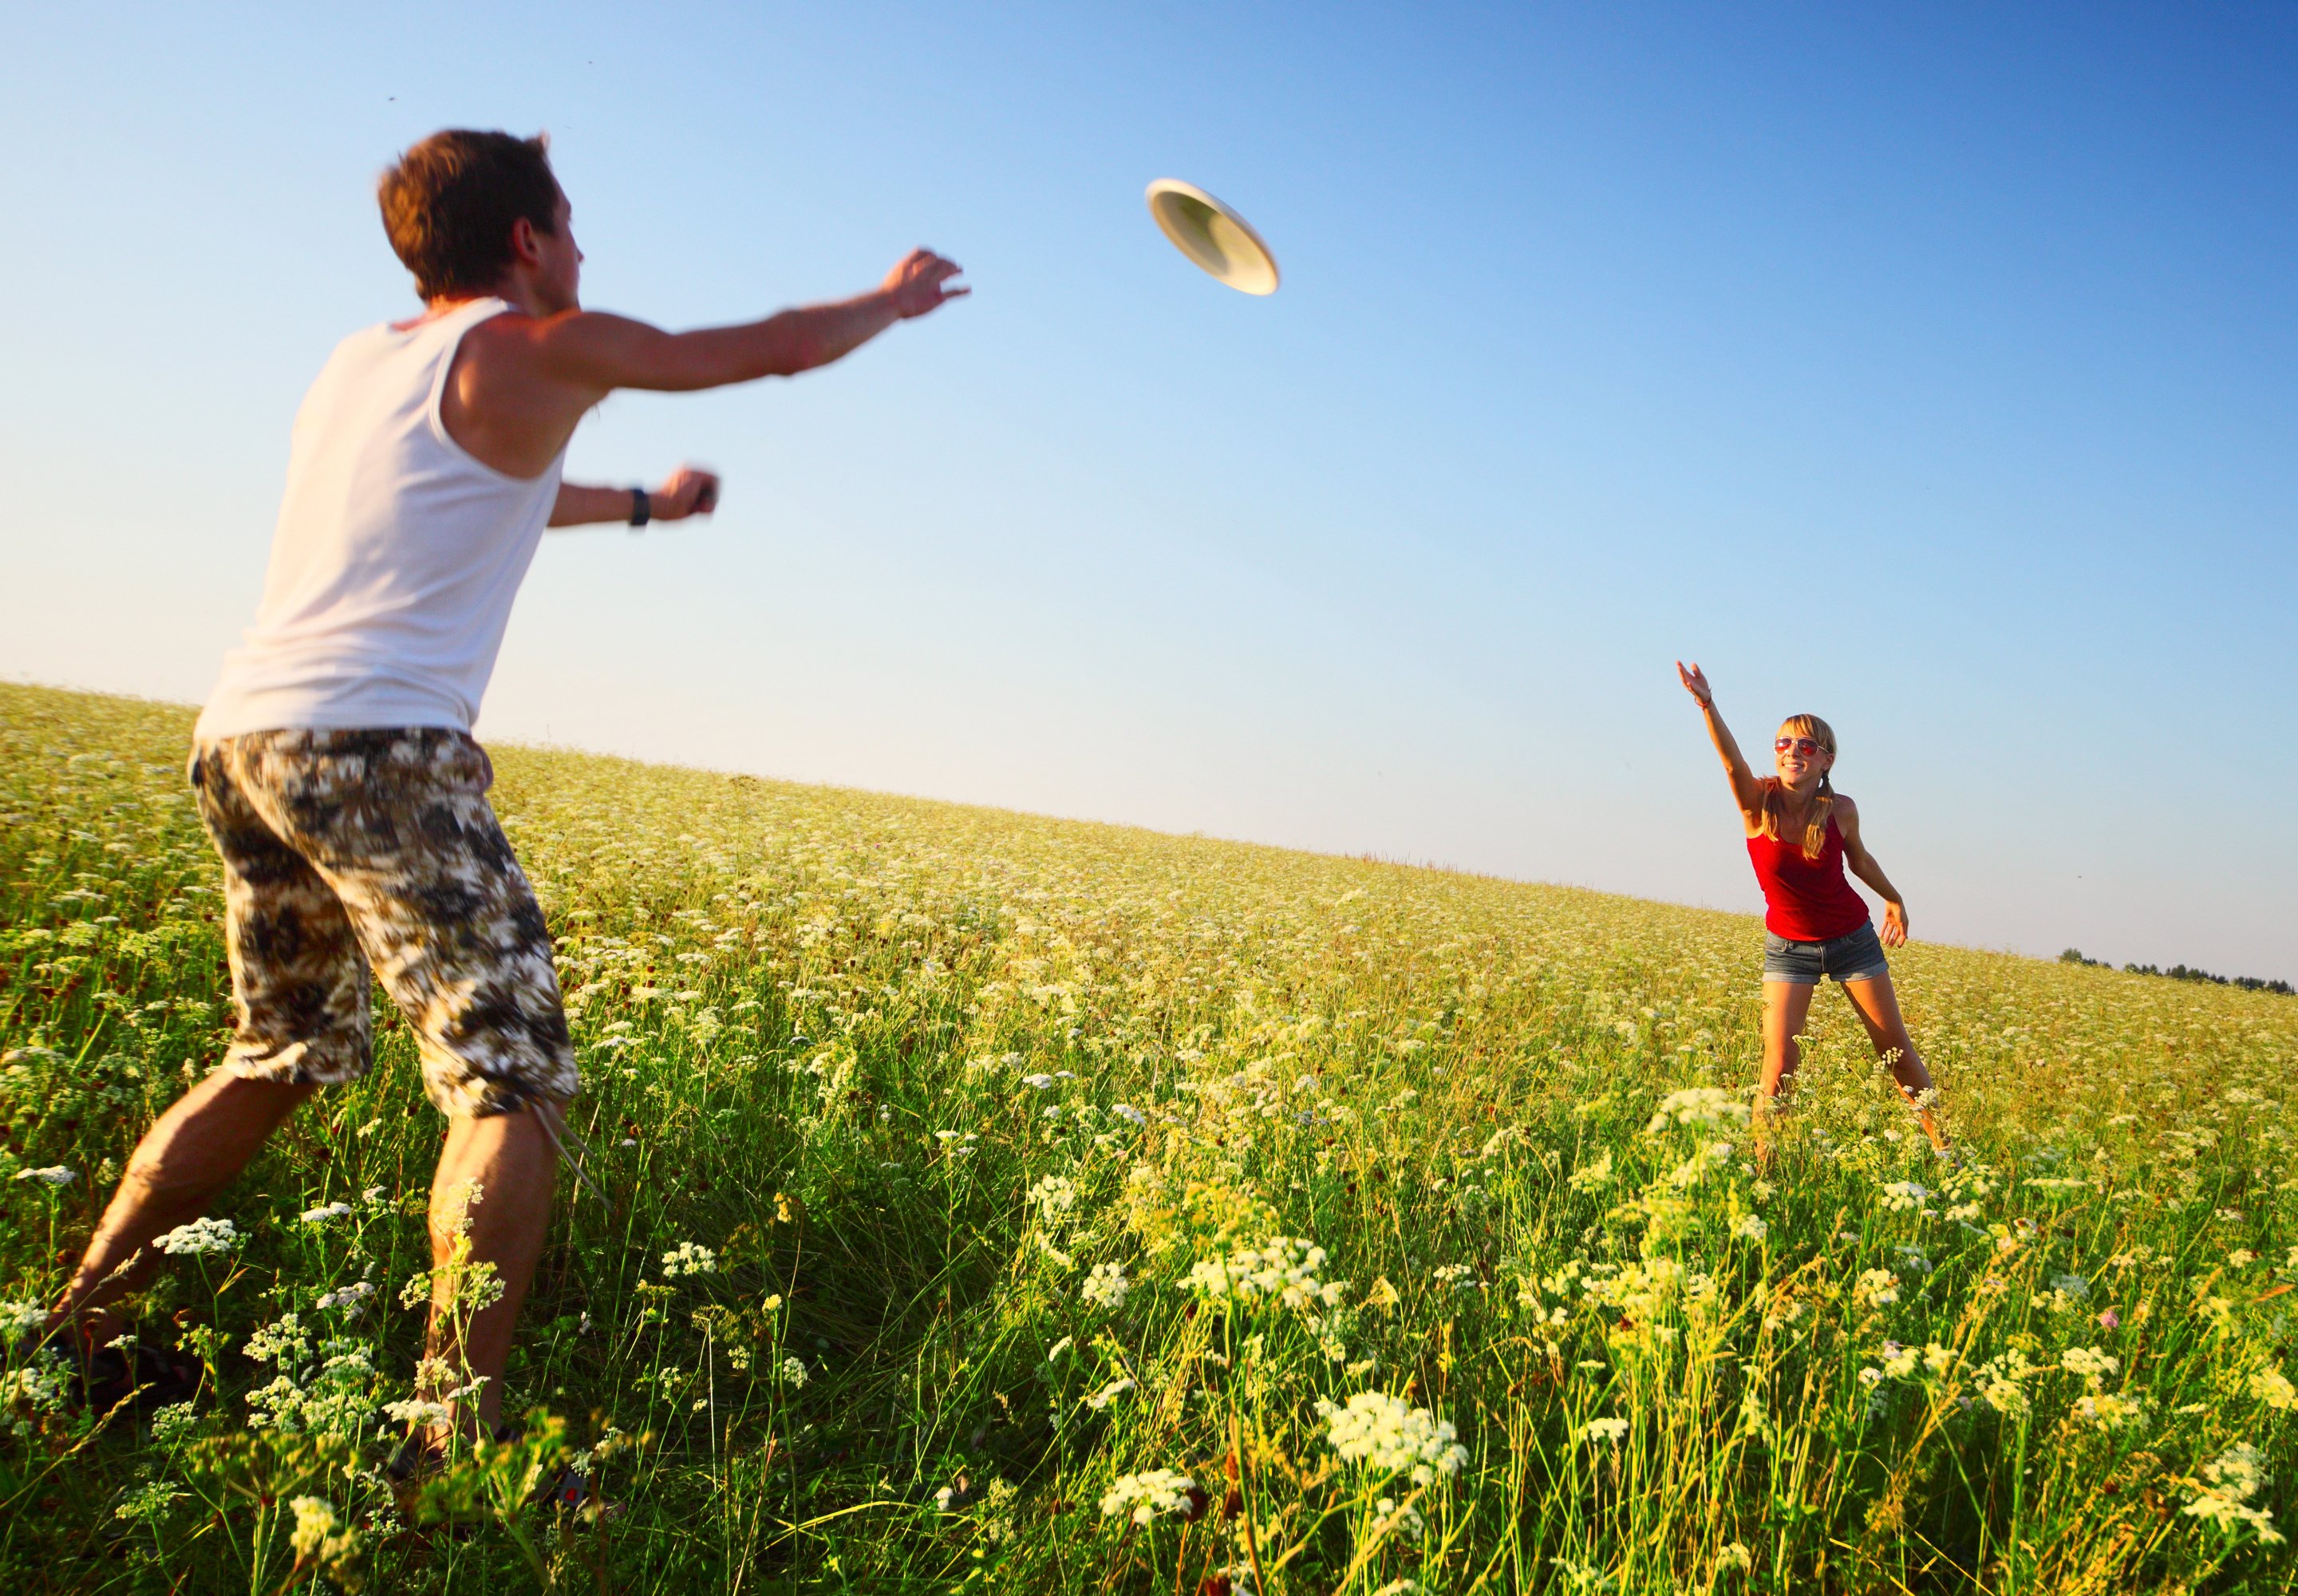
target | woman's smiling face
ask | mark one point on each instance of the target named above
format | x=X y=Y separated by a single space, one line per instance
x=1800 y=759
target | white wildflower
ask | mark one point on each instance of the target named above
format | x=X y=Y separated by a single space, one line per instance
x=1698 y=1106
x=1108 y=1393
x=1145 y=1495
x=320 y=1216
x=1393 y=1435
x=2105 y=1412
x=199 y=1237
x=1106 y=1286
x=53 y=1175
x=689 y=1259
x=1281 y=1266
x=172 y=1421
x=2235 y=1477
x=1591 y=1176
x=1878 y=1287
x=2273 y=1387
x=1900 y=1195
x=315 y=1521
x=1053 y=1196
x=417 y=1413
x=349 y=1296
x=2092 y=1364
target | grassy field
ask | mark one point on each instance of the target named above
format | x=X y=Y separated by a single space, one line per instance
x=1000 y=1203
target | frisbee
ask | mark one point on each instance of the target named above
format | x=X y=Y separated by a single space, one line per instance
x=1214 y=237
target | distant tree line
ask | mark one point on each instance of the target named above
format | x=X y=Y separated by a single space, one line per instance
x=2248 y=983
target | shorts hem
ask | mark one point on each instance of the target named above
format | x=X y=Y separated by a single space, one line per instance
x=294 y=1071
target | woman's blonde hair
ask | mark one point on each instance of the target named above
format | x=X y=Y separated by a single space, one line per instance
x=1814 y=829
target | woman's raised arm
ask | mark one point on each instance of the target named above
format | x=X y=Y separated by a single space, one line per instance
x=1747 y=791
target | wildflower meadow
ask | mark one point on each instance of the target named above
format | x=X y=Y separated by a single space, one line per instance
x=972 y=1201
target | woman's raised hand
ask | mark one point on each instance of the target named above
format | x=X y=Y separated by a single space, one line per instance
x=1695 y=682
x=1894 y=933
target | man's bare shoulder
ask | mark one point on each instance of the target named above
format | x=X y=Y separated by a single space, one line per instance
x=564 y=346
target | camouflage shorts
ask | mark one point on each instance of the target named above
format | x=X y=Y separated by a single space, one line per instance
x=347 y=850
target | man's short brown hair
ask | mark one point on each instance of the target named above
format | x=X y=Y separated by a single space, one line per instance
x=449 y=205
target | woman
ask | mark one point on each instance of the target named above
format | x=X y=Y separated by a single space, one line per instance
x=1800 y=835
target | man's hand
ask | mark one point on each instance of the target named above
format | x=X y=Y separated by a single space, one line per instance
x=686 y=491
x=920 y=284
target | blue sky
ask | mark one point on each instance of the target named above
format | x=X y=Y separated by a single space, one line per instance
x=1927 y=366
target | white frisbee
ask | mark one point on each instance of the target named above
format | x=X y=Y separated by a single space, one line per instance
x=1214 y=237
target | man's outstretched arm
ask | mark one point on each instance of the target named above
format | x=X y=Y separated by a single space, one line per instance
x=599 y=352
x=687 y=492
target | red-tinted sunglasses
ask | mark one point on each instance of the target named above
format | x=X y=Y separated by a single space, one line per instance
x=1801 y=745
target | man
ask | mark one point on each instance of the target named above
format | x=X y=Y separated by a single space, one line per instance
x=333 y=765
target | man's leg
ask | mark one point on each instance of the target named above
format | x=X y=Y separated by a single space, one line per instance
x=299 y=990
x=188 y=1157
x=493 y=1187
x=400 y=825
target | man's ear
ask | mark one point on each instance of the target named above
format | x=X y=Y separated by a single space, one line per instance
x=524 y=248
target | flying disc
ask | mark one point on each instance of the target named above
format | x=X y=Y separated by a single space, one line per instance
x=1214 y=237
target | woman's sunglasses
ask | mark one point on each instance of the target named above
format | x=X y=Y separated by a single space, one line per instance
x=1801 y=745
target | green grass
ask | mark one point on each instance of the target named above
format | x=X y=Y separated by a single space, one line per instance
x=809 y=1023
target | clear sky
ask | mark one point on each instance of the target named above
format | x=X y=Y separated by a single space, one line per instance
x=1927 y=366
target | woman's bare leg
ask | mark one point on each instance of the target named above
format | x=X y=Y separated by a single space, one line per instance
x=1786 y=1005
x=1877 y=1007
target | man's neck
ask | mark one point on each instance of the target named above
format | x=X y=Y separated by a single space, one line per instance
x=513 y=291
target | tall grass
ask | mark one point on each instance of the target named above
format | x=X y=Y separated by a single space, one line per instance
x=992 y=1202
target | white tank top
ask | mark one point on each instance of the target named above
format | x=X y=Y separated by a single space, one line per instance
x=397 y=554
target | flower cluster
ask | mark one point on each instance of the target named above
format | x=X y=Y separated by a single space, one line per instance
x=1880 y=1287
x=2092 y=1364
x=689 y=1259
x=1143 y=1496
x=1392 y=1435
x=2233 y=1478
x=1109 y=1393
x=1698 y=1106
x=1900 y=1195
x=1283 y=1267
x=1053 y=1196
x=1106 y=1288
x=199 y=1237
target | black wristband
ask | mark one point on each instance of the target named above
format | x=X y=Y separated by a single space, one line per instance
x=641 y=509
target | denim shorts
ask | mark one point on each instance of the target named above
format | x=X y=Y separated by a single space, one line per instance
x=1857 y=955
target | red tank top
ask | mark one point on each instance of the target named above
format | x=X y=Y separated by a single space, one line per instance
x=1806 y=900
